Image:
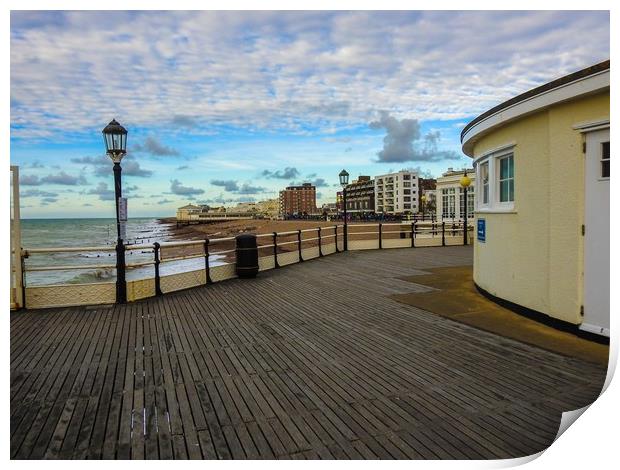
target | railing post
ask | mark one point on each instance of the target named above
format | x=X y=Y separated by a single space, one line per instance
x=320 y=244
x=299 y=245
x=380 y=235
x=275 y=249
x=443 y=234
x=413 y=234
x=156 y=248
x=336 y=237
x=207 y=267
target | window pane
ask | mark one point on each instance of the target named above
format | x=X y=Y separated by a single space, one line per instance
x=605 y=169
x=511 y=168
x=511 y=190
x=605 y=150
x=503 y=168
x=503 y=191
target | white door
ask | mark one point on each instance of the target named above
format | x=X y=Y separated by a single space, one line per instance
x=596 y=243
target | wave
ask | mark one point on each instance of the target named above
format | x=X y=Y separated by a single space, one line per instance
x=98 y=275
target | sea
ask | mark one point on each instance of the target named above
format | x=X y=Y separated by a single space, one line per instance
x=51 y=233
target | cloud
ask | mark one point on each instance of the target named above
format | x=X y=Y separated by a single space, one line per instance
x=291 y=71
x=36 y=164
x=63 y=178
x=37 y=193
x=228 y=185
x=154 y=147
x=48 y=200
x=249 y=189
x=319 y=182
x=286 y=174
x=421 y=173
x=182 y=167
x=164 y=201
x=103 y=192
x=177 y=188
x=29 y=180
x=404 y=143
x=184 y=121
x=102 y=166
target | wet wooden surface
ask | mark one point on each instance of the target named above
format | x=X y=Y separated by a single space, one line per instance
x=305 y=362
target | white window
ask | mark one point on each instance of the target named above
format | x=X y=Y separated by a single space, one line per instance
x=605 y=160
x=495 y=174
x=484 y=179
x=506 y=179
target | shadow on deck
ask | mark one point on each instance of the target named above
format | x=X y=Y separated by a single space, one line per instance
x=309 y=361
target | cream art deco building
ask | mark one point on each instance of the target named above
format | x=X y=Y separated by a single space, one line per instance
x=450 y=205
x=542 y=199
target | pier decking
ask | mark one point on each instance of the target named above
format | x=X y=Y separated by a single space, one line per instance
x=307 y=361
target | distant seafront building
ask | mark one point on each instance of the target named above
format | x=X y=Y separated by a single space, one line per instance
x=298 y=200
x=186 y=212
x=450 y=203
x=397 y=193
x=361 y=196
x=542 y=164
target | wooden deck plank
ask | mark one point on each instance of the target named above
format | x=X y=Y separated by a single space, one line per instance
x=312 y=361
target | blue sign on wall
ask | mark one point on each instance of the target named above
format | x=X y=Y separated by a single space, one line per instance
x=482 y=230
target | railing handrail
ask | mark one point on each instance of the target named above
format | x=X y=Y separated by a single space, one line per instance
x=72 y=249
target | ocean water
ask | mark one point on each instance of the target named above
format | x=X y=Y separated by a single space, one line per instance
x=50 y=233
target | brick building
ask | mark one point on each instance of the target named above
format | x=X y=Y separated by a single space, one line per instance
x=298 y=200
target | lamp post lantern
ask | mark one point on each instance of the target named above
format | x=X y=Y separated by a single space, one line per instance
x=344 y=180
x=465 y=182
x=115 y=139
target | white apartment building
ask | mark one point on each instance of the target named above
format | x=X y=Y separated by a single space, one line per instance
x=449 y=193
x=397 y=193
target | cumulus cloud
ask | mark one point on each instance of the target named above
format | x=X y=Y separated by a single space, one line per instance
x=404 y=142
x=154 y=147
x=232 y=186
x=48 y=200
x=249 y=189
x=102 y=166
x=228 y=185
x=177 y=188
x=102 y=190
x=164 y=201
x=286 y=174
x=29 y=180
x=63 y=178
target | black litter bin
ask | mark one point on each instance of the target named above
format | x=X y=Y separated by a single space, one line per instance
x=247 y=256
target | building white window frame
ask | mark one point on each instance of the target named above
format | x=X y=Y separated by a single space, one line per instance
x=492 y=159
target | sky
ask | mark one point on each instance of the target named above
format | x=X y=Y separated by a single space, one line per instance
x=227 y=107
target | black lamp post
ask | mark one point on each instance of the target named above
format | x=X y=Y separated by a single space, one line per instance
x=115 y=138
x=465 y=182
x=344 y=180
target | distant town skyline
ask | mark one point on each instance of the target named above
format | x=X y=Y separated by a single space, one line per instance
x=227 y=107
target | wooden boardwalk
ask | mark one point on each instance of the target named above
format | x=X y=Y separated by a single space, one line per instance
x=305 y=362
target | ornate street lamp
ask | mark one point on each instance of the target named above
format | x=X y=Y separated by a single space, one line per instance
x=115 y=139
x=465 y=182
x=344 y=180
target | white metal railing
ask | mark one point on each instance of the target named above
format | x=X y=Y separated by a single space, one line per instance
x=212 y=260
